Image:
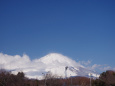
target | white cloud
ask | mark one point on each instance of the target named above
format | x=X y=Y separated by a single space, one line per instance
x=18 y=63
x=95 y=66
x=13 y=62
x=105 y=67
x=85 y=62
x=101 y=68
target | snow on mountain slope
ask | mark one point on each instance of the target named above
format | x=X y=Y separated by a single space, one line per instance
x=56 y=64
x=58 y=60
x=53 y=62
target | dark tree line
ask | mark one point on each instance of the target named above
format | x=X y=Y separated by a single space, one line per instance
x=8 y=79
x=106 y=79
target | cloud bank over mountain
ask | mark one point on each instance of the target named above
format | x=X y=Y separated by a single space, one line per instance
x=53 y=62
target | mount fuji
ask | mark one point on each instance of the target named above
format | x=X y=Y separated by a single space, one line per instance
x=56 y=64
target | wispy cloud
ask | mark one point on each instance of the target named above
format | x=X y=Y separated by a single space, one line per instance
x=100 y=68
x=85 y=62
x=106 y=67
x=95 y=66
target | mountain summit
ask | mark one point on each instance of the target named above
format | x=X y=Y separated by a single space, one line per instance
x=55 y=58
x=56 y=64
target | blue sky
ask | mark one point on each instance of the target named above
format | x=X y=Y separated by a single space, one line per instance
x=81 y=29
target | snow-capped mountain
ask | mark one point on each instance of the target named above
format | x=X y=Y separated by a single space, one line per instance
x=53 y=62
x=56 y=63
